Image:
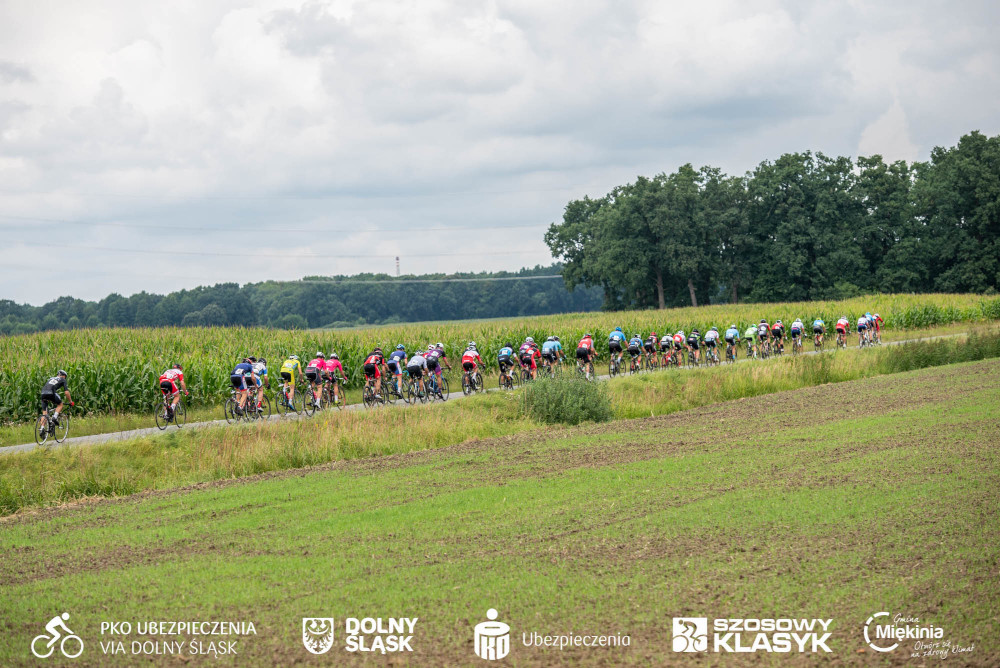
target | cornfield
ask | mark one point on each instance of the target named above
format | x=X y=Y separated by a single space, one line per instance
x=115 y=370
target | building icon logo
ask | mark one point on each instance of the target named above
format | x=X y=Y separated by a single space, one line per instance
x=317 y=634
x=492 y=638
x=690 y=634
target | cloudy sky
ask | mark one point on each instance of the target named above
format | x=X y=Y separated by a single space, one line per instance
x=163 y=145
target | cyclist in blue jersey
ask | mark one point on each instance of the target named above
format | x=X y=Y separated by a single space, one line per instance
x=396 y=361
x=615 y=342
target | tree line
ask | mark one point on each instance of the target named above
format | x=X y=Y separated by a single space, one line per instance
x=803 y=227
x=315 y=301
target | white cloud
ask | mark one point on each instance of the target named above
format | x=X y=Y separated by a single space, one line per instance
x=326 y=115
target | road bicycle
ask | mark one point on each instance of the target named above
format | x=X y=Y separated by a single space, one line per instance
x=817 y=342
x=731 y=352
x=841 y=339
x=231 y=409
x=651 y=362
x=165 y=415
x=368 y=396
x=438 y=388
x=339 y=399
x=507 y=380
x=751 y=350
x=692 y=358
x=711 y=355
x=634 y=366
x=585 y=370
x=614 y=365
x=796 y=345
x=472 y=381
x=301 y=401
x=46 y=427
x=413 y=391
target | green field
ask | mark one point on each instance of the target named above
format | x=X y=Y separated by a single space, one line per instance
x=835 y=501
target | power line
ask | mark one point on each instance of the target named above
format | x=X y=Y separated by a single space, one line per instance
x=276 y=230
x=297 y=256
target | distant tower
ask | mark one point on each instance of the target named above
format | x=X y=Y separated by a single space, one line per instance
x=397 y=266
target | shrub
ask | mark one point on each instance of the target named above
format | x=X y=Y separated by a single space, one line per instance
x=568 y=400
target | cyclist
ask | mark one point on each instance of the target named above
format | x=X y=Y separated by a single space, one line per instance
x=763 y=334
x=289 y=369
x=50 y=395
x=334 y=372
x=751 y=338
x=551 y=350
x=711 y=341
x=396 y=363
x=650 y=346
x=732 y=337
x=471 y=360
x=796 y=332
x=314 y=373
x=778 y=334
x=416 y=367
x=527 y=353
x=442 y=359
x=679 y=343
x=585 y=352
x=238 y=379
x=260 y=377
x=877 y=322
x=635 y=348
x=843 y=328
x=819 y=329
x=615 y=341
x=168 y=387
x=862 y=329
x=665 y=344
x=504 y=358
x=694 y=344
x=372 y=368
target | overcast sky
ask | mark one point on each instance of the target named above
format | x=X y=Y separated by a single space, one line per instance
x=163 y=145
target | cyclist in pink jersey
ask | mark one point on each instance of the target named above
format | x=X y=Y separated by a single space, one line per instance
x=335 y=371
x=314 y=372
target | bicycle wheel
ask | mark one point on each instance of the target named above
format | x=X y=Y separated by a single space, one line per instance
x=478 y=382
x=180 y=415
x=466 y=384
x=41 y=430
x=62 y=429
x=368 y=396
x=264 y=411
x=307 y=398
x=229 y=410
x=160 y=413
x=444 y=393
x=284 y=406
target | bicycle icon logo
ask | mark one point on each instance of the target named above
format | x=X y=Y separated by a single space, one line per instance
x=70 y=645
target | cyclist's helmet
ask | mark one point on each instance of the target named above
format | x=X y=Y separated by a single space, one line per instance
x=252 y=359
x=652 y=333
x=715 y=329
x=472 y=344
x=732 y=327
x=555 y=338
x=262 y=360
x=440 y=346
x=778 y=321
x=62 y=373
x=551 y=338
x=293 y=357
x=529 y=340
x=178 y=367
x=618 y=329
x=321 y=356
x=763 y=321
x=588 y=335
x=400 y=347
x=377 y=350
x=876 y=316
x=334 y=356
x=694 y=331
x=868 y=314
